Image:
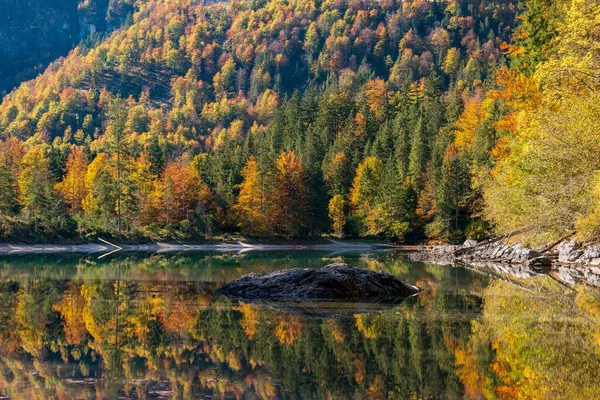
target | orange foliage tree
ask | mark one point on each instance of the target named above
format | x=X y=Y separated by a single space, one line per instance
x=72 y=187
x=180 y=189
x=289 y=200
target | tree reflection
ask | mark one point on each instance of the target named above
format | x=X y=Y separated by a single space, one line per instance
x=537 y=340
x=101 y=334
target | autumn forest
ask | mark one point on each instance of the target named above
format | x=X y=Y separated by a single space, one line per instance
x=406 y=120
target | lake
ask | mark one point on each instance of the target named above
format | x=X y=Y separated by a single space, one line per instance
x=152 y=326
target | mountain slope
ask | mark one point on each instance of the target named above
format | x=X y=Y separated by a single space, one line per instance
x=35 y=32
x=377 y=103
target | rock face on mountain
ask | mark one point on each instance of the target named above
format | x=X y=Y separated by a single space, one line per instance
x=334 y=281
x=35 y=32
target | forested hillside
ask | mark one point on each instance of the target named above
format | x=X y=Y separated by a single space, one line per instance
x=397 y=119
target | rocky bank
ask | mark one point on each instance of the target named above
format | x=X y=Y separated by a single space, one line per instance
x=498 y=250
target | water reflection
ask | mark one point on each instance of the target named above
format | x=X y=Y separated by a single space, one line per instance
x=152 y=327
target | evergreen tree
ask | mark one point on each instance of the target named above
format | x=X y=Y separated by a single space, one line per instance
x=452 y=196
x=533 y=39
x=36 y=196
x=11 y=153
x=117 y=146
x=156 y=155
x=418 y=153
x=393 y=219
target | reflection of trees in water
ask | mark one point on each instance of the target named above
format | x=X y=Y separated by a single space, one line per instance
x=537 y=340
x=59 y=337
x=177 y=337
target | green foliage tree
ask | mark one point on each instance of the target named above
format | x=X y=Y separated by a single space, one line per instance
x=39 y=202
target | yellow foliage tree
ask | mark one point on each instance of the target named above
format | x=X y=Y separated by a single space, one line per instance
x=72 y=187
x=376 y=93
x=466 y=126
x=546 y=176
x=71 y=310
x=249 y=322
x=452 y=61
x=101 y=196
x=362 y=194
x=337 y=214
x=180 y=191
x=251 y=205
x=288 y=330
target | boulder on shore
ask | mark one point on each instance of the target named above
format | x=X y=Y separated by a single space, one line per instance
x=332 y=282
x=572 y=252
x=492 y=251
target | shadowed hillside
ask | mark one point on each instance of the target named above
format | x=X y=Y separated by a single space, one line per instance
x=36 y=32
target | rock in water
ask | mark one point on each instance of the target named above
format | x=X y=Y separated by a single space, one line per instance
x=334 y=281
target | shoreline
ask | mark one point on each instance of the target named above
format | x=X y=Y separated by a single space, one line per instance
x=496 y=251
x=109 y=248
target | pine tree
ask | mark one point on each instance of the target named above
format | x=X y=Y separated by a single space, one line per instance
x=311 y=155
x=36 y=195
x=156 y=155
x=392 y=218
x=418 y=153
x=451 y=204
x=11 y=154
x=8 y=205
x=533 y=38
x=117 y=145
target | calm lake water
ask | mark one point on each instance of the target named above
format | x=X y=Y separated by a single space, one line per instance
x=151 y=326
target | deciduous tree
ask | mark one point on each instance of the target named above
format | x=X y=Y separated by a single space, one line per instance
x=251 y=206
x=72 y=187
x=337 y=214
x=289 y=202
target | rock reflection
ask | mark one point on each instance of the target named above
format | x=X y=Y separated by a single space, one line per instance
x=321 y=309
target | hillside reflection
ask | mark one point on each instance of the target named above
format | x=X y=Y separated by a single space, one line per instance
x=140 y=327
